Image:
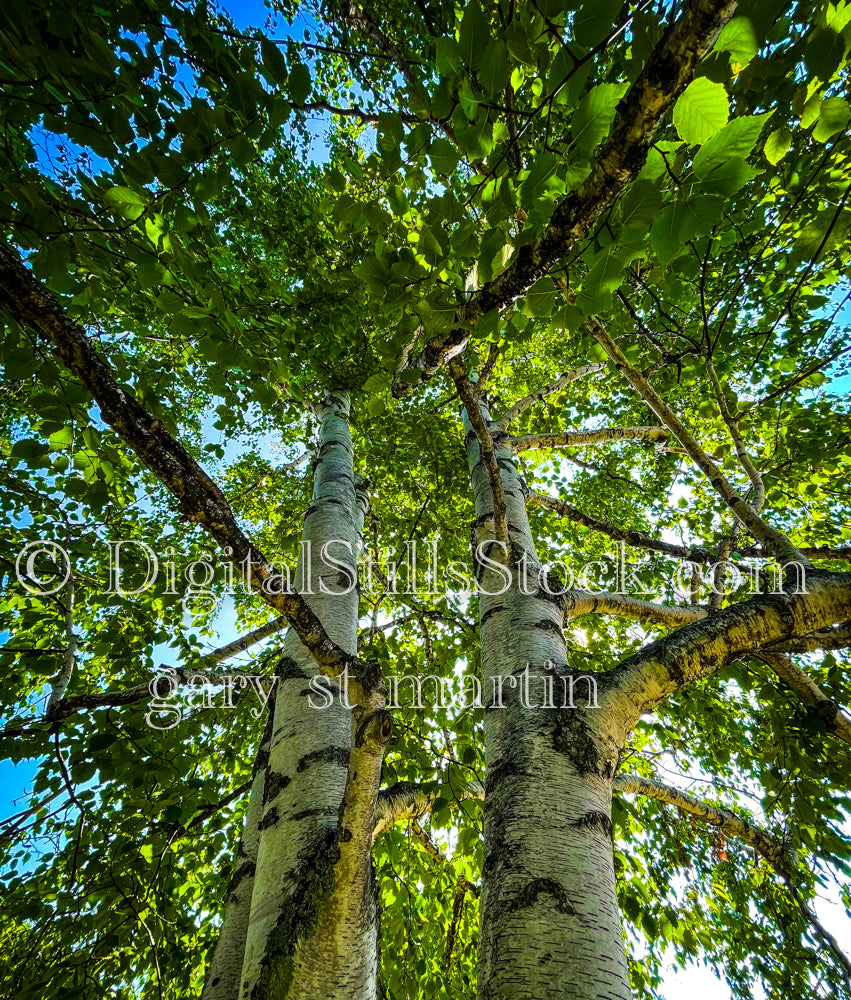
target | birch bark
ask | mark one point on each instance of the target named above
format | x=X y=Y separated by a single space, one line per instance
x=312 y=930
x=550 y=919
x=223 y=976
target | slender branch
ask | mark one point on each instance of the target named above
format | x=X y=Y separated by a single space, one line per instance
x=821 y=932
x=581 y=439
x=129 y=696
x=199 y=499
x=638 y=539
x=772 y=848
x=357 y=17
x=758 y=494
x=246 y=641
x=462 y=887
x=581 y=602
x=665 y=75
x=526 y=402
x=719 y=575
x=772 y=540
x=367 y=117
x=809 y=693
x=470 y=399
x=408 y=800
x=66 y=778
x=836 y=637
x=66 y=707
x=60 y=685
x=488 y=366
x=842 y=552
x=435 y=853
x=729 y=823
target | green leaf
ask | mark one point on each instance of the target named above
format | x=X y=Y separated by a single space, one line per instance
x=496 y=69
x=640 y=205
x=473 y=35
x=738 y=38
x=129 y=202
x=604 y=276
x=702 y=110
x=100 y=741
x=593 y=118
x=595 y=20
x=670 y=232
x=274 y=64
x=444 y=155
x=737 y=139
x=62 y=440
x=833 y=117
x=299 y=83
x=542 y=172
x=777 y=144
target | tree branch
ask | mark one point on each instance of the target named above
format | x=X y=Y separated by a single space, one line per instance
x=408 y=800
x=60 y=685
x=842 y=552
x=631 y=536
x=770 y=847
x=199 y=499
x=581 y=439
x=470 y=399
x=526 y=402
x=581 y=602
x=772 y=540
x=665 y=75
x=837 y=637
x=809 y=694
x=758 y=494
x=129 y=696
x=700 y=649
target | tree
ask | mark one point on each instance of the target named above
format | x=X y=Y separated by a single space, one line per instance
x=572 y=277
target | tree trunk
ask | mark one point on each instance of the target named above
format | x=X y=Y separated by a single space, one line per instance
x=225 y=972
x=550 y=920
x=313 y=924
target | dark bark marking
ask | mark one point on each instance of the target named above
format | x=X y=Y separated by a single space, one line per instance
x=528 y=896
x=594 y=819
x=275 y=782
x=270 y=818
x=547 y=625
x=332 y=443
x=243 y=871
x=299 y=914
x=327 y=755
x=305 y=813
x=288 y=669
x=491 y=611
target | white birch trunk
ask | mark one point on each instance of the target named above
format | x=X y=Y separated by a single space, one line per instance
x=550 y=920
x=314 y=916
x=225 y=972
